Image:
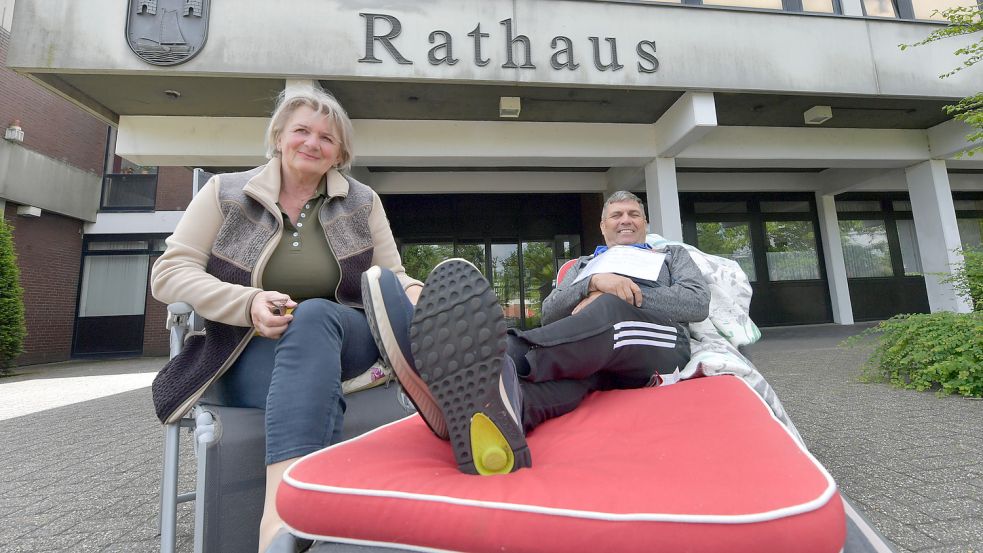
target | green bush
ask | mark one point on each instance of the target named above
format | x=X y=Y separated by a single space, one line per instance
x=12 y=329
x=967 y=279
x=941 y=350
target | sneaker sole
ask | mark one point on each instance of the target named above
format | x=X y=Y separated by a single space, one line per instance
x=458 y=341
x=416 y=390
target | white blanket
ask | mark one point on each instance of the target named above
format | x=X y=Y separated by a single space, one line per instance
x=714 y=341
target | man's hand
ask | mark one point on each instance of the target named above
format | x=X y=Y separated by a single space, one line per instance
x=269 y=313
x=586 y=301
x=617 y=285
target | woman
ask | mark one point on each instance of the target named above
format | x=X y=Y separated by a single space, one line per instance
x=292 y=235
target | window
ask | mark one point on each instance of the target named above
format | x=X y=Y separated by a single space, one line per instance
x=914 y=9
x=765 y=4
x=818 y=6
x=910 y=256
x=506 y=282
x=420 y=259
x=785 y=207
x=857 y=205
x=730 y=240
x=538 y=270
x=865 y=249
x=129 y=187
x=567 y=247
x=968 y=205
x=791 y=252
x=521 y=273
x=880 y=8
x=114 y=276
x=720 y=207
x=970 y=232
x=926 y=9
x=113 y=285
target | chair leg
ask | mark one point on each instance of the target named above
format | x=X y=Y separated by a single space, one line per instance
x=205 y=437
x=168 y=489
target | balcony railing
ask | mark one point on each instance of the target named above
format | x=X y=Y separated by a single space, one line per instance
x=129 y=192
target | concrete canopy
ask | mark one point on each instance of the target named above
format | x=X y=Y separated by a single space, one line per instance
x=619 y=65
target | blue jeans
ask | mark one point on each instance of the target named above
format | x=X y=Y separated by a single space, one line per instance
x=297 y=378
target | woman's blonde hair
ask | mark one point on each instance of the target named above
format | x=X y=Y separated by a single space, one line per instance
x=321 y=102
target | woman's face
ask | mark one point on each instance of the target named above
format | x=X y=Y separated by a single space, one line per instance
x=308 y=143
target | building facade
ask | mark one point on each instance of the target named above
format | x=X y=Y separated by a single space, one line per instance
x=793 y=136
x=55 y=166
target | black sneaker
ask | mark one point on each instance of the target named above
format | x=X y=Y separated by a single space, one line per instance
x=389 y=313
x=458 y=343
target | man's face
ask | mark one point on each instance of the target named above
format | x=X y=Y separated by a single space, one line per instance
x=623 y=223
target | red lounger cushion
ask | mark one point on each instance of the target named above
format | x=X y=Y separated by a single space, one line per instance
x=698 y=466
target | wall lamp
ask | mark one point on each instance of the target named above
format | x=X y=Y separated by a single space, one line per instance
x=817 y=115
x=14 y=133
x=509 y=107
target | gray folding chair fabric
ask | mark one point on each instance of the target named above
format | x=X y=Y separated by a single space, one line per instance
x=230 y=450
x=232 y=471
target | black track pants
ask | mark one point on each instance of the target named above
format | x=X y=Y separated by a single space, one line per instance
x=610 y=344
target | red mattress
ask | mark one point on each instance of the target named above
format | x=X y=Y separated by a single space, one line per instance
x=698 y=466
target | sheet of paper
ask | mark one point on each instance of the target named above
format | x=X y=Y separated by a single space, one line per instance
x=627 y=261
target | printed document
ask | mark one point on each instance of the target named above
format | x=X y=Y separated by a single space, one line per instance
x=627 y=261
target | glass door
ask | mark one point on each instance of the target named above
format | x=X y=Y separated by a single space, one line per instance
x=505 y=279
x=520 y=272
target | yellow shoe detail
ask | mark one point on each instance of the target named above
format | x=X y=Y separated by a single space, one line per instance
x=489 y=448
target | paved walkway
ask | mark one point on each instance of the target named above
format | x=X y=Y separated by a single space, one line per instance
x=82 y=473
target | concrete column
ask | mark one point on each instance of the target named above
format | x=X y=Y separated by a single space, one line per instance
x=852 y=7
x=839 y=290
x=291 y=85
x=663 y=198
x=110 y=150
x=938 y=234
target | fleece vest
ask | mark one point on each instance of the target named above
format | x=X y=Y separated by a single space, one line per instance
x=247 y=229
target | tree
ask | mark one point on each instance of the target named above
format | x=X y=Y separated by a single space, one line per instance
x=12 y=328
x=963 y=21
x=420 y=259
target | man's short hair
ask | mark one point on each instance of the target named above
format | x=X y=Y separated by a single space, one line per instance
x=622 y=196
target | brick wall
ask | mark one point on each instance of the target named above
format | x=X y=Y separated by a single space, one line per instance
x=155 y=336
x=174 y=188
x=49 y=252
x=52 y=125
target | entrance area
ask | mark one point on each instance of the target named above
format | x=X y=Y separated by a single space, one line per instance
x=517 y=241
x=522 y=273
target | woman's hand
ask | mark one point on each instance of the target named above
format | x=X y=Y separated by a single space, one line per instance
x=623 y=287
x=269 y=313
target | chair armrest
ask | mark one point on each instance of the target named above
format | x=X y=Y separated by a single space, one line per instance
x=178 y=323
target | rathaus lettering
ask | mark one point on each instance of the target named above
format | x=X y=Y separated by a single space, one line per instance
x=518 y=48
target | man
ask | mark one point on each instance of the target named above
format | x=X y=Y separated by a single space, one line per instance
x=483 y=387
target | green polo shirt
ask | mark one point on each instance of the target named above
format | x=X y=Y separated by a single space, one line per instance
x=303 y=265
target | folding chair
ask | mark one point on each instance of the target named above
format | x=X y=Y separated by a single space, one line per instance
x=229 y=447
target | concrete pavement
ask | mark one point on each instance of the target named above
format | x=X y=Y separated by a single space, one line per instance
x=82 y=473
